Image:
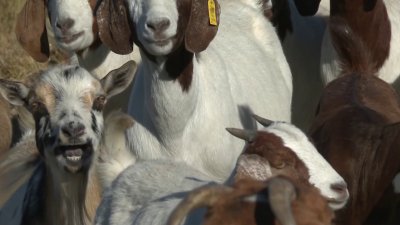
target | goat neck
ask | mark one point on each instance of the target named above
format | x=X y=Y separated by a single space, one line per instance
x=170 y=90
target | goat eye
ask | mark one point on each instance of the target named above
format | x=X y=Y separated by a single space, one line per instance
x=99 y=102
x=280 y=165
x=34 y=106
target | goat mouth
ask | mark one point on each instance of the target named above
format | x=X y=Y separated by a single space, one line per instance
x=160 y=43
x=76 y=156
x=336 y=204
x=67 y=39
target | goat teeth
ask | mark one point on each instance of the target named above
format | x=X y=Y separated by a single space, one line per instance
x=74 y=158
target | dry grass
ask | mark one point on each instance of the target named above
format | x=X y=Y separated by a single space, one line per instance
x=14 y=61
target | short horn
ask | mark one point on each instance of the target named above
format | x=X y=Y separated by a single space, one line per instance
x=201 y=197
x=247 y=135
x=262 y=121
x=281 y=194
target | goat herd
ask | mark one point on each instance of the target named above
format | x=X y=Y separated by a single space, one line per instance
x=187 y=75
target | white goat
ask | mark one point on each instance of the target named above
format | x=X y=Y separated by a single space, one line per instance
x=190 y=85
x=66 y=103
x=147 y=192
x=75 y=31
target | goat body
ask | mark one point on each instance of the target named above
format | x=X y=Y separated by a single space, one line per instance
x=221 y=88
x=357 y=127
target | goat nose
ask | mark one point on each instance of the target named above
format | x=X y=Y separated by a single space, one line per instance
x=158 y=25
x=73 y=130
x=340 y=188
x=65 y=25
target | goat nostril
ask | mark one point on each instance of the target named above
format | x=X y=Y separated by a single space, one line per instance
x=340 y=188
x=158 y=25
x=65 y=25
x=66 y=131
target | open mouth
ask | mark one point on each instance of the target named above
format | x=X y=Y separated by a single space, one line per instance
x=69 y=38
x=76 y=156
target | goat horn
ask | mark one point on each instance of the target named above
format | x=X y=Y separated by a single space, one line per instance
x=204 y=196
x=247 y=135
x=281 y=194
x=262 y=121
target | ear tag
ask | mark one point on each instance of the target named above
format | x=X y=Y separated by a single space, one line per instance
x=211 y=13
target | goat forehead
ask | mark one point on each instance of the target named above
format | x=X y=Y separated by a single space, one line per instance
x=70 y=80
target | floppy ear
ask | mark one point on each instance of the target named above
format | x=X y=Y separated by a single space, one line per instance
x=119 y=79
x=14 y=92
x=307 y=7
x=200 y=32
x=31 y=30
x=114 y=28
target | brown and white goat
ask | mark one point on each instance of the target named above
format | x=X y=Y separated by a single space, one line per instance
x=66 y=103
x=276 y=201
x=377 y=24
x=357 y=127
x=292 y=199
x=74 y=28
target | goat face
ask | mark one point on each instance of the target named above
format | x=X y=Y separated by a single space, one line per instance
x=72 y=23
x=67 y=102
x=282 y=149
x=157 y=26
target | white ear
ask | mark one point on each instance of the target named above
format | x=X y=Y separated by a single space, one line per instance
x=117 y=80
x=15 y=92
x=253 y=166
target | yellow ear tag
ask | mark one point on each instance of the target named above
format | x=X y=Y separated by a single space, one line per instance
x=211 y=12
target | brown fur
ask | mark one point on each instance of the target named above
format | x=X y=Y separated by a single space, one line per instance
x=357 y=128
x=5 y=127
x=368 y=19
x=282 y=160
x=31 y=30
x=232 y=207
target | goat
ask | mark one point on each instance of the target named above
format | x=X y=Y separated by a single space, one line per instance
x=357 y=125
x=75 y=30
x=66 y=103
x=147 y=191
x=191 y=84
x=277 y=201
x=376 y=23
x=6 y=126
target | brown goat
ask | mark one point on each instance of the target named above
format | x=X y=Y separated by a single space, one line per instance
x=357 y=127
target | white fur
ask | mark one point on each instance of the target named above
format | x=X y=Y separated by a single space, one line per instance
x=244 y=66
x=147 y=192
x=390 y=70
x=322 y=175
x=81 y=13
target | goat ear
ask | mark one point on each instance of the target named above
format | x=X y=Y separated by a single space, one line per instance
x=31 y=30
x=15 y=92
x=200 y=32
x=307 y=7
x=114 y=28
x=119 y=79
x=252 y=166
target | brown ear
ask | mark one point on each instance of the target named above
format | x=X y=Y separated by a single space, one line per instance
x=31 y=30
x=307 y=7
x=200 y=32
x=114 y=28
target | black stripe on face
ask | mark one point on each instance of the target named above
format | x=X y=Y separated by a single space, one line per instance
x=94 y=126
